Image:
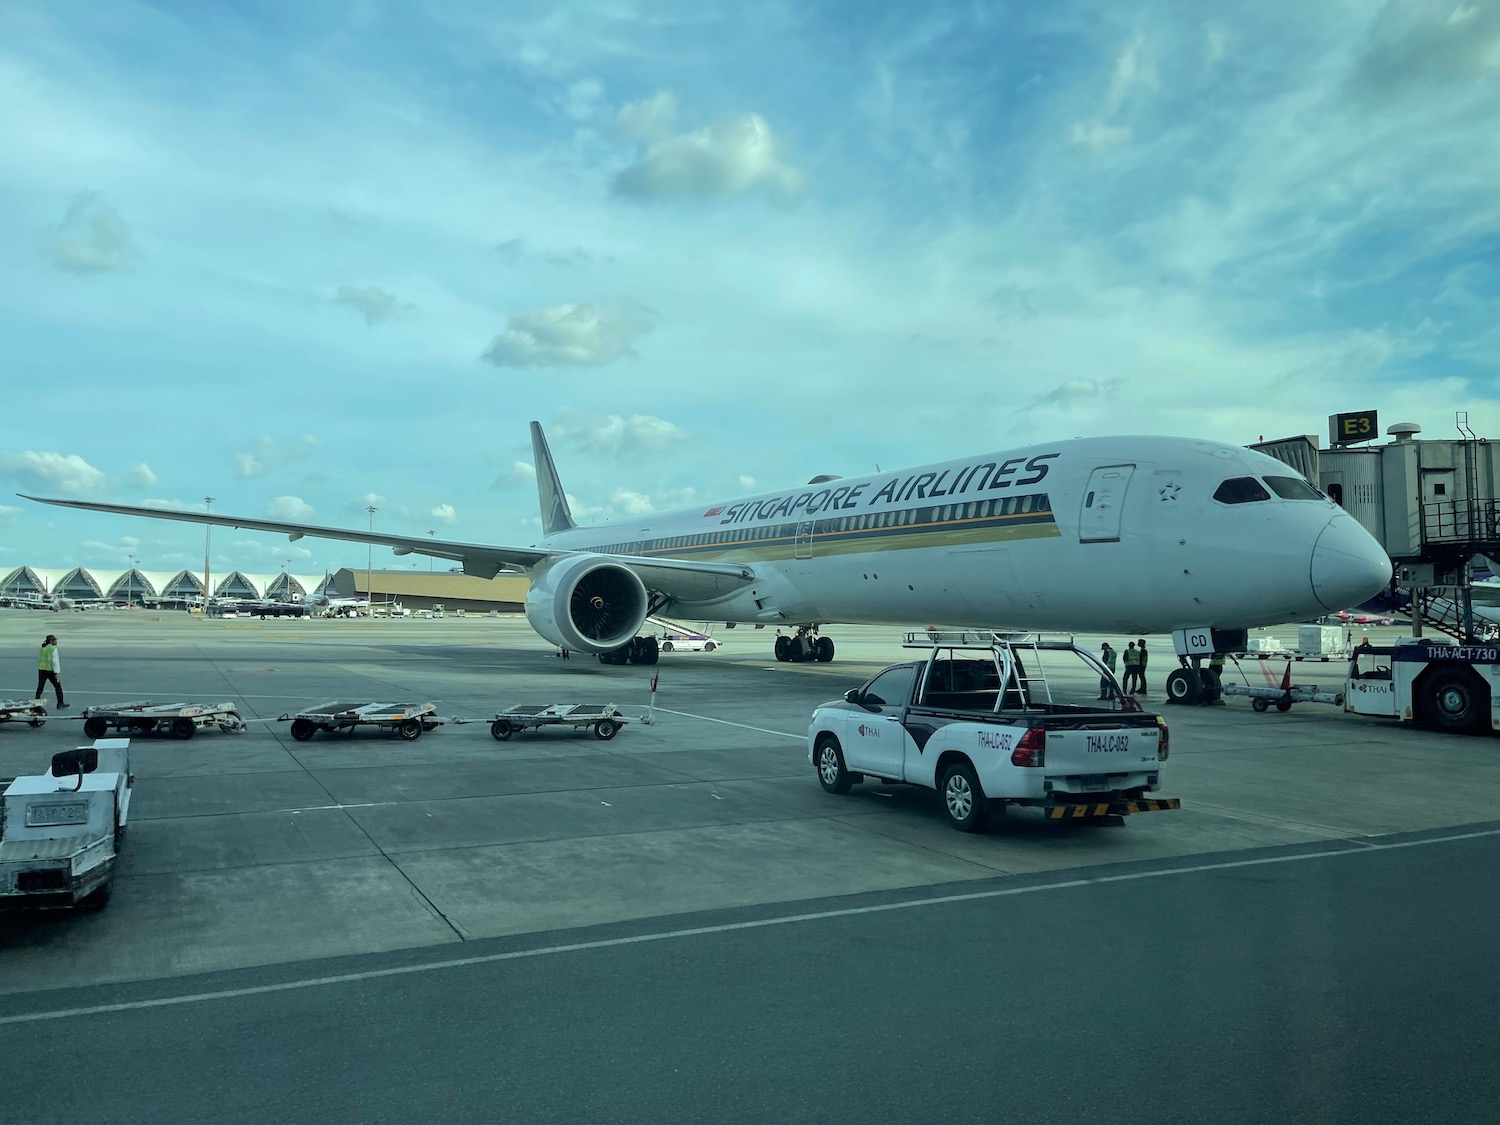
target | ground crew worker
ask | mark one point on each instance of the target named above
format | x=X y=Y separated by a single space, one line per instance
x=1132 y=660
x=1106 y=683
x=1140 y=672
x=48 y=665
x=1216 y=665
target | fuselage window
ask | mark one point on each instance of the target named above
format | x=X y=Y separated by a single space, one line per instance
x=1293 y=488
x=1240 y=490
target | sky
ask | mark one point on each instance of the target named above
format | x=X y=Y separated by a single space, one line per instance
x=311 y=258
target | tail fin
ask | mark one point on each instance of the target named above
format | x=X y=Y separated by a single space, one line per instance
x=549 y=490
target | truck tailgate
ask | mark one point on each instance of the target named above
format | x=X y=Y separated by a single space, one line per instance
x=1094 y=759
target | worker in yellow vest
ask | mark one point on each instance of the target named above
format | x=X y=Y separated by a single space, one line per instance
x=48 y=666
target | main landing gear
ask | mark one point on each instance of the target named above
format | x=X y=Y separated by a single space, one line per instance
x=806 y=645
x=638 y=650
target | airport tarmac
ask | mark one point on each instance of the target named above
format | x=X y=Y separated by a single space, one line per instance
x=252 y=849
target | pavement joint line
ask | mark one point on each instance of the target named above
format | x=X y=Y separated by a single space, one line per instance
x=731 y=723
x=724 y=928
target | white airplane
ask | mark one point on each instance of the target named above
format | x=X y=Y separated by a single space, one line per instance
x=1128 y=535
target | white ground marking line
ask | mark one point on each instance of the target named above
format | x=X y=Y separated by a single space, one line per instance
x=727 y=928
x=729 y=723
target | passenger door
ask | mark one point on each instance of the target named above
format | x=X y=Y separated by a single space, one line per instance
x=875 y=742
x=1103 y=503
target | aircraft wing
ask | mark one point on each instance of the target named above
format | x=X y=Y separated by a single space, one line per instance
x=678 y=579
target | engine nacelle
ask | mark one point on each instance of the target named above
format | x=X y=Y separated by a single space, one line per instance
x=587 y=603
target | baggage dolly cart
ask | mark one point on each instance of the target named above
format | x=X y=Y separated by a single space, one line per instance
x=28 y=711
x=407 y=720
x=1264 y=697
x=606 y=719
x=180 y=720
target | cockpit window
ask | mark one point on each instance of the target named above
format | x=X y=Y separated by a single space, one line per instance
x=1240 y=490
x=1293 y=488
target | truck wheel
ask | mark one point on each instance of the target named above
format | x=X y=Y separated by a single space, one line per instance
x=964 y=798
x=666 y=646
x=1454 y=702
x=605 y=729
x=500 y=730
x=1259 y=706
x=823 y=650
x=410 y=730
x=709 y=646
x=303 y=729
x=183 y=728
x=95 y=728
x=829 y=757
x=1181 y=688
x=95 y=900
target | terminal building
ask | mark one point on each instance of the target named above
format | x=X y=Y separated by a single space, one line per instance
x=415 y=589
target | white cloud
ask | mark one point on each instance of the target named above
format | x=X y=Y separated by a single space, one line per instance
x=520 y=473
x=375 y=305
x=270 y=454
x=8 y=514
x=262 y=551
x=141 y=476
x=1098 y=137
x=747 y=484
x=175 y=505
x=630 y=503
x=639 y=436
x=67 y=473
x=444 y=513
x=368 y=500
x=289 y=508
x=584 y=335
x=717 y=161
x=92 y=237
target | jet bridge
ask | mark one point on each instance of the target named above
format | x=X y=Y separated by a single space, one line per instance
x=1433 y=504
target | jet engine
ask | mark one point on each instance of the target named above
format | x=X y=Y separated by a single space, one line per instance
x=587 y=603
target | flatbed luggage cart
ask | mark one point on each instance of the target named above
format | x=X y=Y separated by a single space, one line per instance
x=28 y=711
x=406 y=720
x=180 y=720
x=606 y=719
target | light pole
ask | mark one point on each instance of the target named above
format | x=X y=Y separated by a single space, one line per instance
x=208 y=528
x=430 y=559
x=369 y=563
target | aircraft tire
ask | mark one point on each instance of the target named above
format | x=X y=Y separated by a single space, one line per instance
x=644 y=650
x=783 y=649
x=823 y=650
x=1181 y=688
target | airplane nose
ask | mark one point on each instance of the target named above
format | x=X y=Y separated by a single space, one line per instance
x=1348 y=565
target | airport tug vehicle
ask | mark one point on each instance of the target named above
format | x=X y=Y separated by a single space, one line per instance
x=61 y=831
x=991 y=720
x=178 y=720
x=28 y=711
x=407 y=721
x=1437 y=684
x=605 y=719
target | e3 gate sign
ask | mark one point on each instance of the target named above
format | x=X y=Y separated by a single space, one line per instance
x=1345 y=429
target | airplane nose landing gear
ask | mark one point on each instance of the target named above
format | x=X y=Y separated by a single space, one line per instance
x=804 y=646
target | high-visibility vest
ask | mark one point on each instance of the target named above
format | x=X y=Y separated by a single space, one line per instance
x=44 y=660
x=1132 y=657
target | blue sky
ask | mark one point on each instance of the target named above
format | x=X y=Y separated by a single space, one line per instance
x=299 y=256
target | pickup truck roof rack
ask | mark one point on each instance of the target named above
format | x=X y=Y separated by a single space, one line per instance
x=983 y=638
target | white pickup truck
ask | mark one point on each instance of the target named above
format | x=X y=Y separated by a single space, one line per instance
x=1060 y=736
x=61 y=831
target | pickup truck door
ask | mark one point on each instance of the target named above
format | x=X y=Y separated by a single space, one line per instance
x=875 y=741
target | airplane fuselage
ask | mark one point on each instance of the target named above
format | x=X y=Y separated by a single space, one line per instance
x=1121 y=534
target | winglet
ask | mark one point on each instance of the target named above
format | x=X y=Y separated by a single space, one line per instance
x=549 y=490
